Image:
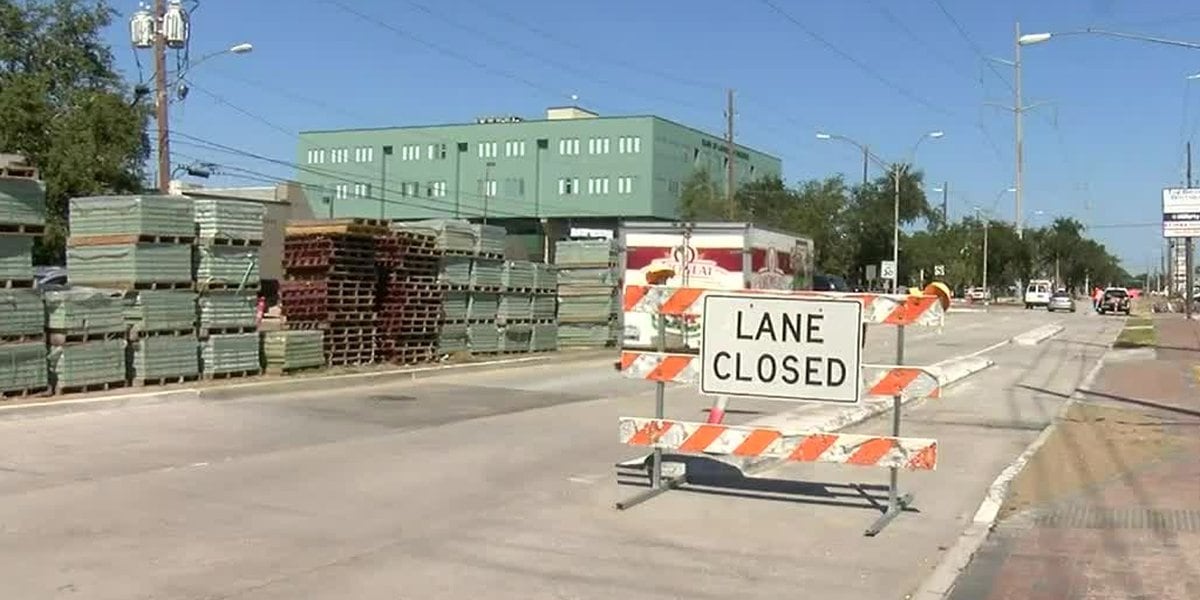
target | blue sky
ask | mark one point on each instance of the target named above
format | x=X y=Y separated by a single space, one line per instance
x=1109 y=137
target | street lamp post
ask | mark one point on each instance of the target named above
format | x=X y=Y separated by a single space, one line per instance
x=896 y=172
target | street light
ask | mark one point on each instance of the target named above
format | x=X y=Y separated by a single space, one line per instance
x=181 y=84
x=1036 y=38
x=895 y=170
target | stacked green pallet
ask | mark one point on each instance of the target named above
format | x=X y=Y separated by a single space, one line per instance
x=160 y=310
x=83 y=313
x=543 y=307
x=230 y=354
x=483 y=337
x=518 y=275
x=293 y=350
x=22 y=201
x=224 y=266
x=515 y=337
x=452 y=338
x=487 y=273
x=16 y=258
x=545 y=278
x=148 y=215
x=451 y=236
x=224 y=310
x=490 y=240
x=164 y=359
x=483 y=306
x=163 y=347
x=229 y=220
x=587 y=292
x=22 y=343
x=455 y=307
x=81 y=366
x=132 y=263
x=515 y=307
x=544 y=337
x=455 y=271
x=131 y=240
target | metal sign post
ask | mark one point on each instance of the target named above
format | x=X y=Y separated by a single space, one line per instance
x=896 y=503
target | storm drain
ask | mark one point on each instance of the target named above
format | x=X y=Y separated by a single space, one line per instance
x=1083 y=516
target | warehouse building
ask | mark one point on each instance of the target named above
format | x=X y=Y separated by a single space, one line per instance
x=535 y=177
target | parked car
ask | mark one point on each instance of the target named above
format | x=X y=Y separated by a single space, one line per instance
x=1061 y=300
x=829 y=283
x=1037 y=293
x=1115 y=300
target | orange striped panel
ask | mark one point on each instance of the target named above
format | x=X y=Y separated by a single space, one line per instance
x=812 y=447
x=650 y=433
x=925 y=460
x=627 y=359
x=681 y=301
x=755 y=443
x=633 y=295
x=910 y=310
x=699 y=441
x=670 y=367
x=871 y=451
x=894 y=383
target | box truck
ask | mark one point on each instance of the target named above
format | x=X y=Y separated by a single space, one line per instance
x=727 y=256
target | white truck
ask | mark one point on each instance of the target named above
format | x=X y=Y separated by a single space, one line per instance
x=708 y=255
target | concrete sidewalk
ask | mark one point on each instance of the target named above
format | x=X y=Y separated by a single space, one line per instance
x=1109 y=506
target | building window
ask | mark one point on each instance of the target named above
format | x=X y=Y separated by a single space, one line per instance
x=436 y=152
x=488 y=149
x=436 y=189
x=568 y=146
x=673 y=187
x=362 y=154
x=514 y=148
x=488 y=188
x=336 y=155
x=568 y=186
x=598 y=146
x=362 y=190
x=514 y=186
x=597 y=185
x=410 y=152
x=625 y=185
x=341 y=191
x=629 y=144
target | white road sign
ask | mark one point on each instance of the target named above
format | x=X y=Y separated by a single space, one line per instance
x=1181 y=212
x=887 y=270
x=939 y=270
x=782 y=348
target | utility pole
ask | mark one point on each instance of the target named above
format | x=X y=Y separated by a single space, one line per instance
x=729 y=185
x=866 y=164
x=1018 y=110
x=160 y=98
x=896 y=229
x=946 y=203
x=1189 y=250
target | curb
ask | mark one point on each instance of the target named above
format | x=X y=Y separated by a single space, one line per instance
x=52 y=406
x=940 y=583
x=1039 y=335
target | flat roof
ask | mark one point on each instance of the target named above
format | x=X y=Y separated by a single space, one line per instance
x=542 y=120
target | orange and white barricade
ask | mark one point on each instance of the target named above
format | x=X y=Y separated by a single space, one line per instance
x=685 y=366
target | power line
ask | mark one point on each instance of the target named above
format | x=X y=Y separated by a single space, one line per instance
x=917 y=39
x=862 y=66
x=962 y=32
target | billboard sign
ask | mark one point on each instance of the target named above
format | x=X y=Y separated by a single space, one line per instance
x=1181 y=212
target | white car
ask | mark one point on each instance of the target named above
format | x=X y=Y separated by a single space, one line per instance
x=1037 y=293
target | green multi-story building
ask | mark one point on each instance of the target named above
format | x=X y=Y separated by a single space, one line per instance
x=572 y=167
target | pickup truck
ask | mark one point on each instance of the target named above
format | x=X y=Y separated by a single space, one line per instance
x=1115 y=300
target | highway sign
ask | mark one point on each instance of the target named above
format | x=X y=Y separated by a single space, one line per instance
x=782 y=348
x=887 y=270
x=1181 y=212
x=939 y=270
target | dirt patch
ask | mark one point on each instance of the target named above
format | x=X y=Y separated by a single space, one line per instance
x=1092 y=445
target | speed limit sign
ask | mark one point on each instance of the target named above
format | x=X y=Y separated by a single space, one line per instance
x=939 y=270
x=887 y=270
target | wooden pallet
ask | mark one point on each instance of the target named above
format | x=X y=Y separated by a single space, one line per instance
x=137 y=334
x=22 y=338
x=28 y=229
x=222 y=241
x=368 y=227
x=25 y=392
x=225 y=286
x=10 y=284
x=88 y=387
x=209 y=331
x=230 y=374
x=59 y=338
x=148 y=381
x=18 y=171
x=119 y=239
x=138 y=285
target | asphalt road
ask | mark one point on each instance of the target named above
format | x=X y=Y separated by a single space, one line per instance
x=496 y=484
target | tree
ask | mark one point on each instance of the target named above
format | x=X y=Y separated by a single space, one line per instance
x=64 y=107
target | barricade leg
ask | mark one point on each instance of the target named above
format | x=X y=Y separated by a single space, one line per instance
x=896 y=503
x=657 y=486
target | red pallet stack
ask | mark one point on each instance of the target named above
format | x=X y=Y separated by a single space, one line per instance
x=330 y=285
x=409 y=297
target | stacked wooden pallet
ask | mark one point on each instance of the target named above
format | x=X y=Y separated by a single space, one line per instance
x=22 y=341
x=410 y=297
x=86 y=330
x=330 y=284
x=230 y=235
